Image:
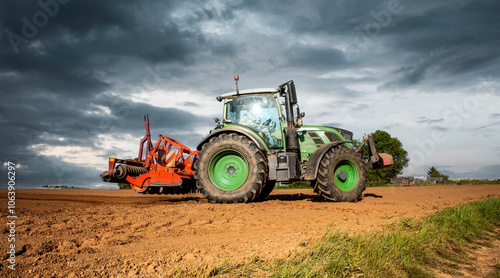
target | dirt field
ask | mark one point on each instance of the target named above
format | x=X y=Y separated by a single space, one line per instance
x=81 y=233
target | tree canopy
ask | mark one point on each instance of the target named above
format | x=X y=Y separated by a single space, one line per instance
x=434 y=173
x=385 y=144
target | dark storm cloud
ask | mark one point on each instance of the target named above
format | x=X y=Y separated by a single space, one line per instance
x=44 y=170
x=315 y=58
x=88 y=39
x=447 y=26
x=189 y=103
x=316 y=16
x=442 y=39
x=83 y=28
x=450 y=41
x=486 y=172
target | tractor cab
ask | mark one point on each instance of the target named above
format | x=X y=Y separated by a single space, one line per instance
x=259 y=111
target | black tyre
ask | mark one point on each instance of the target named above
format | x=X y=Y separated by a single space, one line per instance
x=266 y=190
x=341 y=175
x=230 y=169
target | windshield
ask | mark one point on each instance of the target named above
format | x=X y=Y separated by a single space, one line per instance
x=258 y=112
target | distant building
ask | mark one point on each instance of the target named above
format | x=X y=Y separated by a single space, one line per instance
x=436 y=180
x=410 y=180
x=404 y=181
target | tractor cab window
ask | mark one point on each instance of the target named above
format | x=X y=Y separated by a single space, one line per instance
x=260 y=113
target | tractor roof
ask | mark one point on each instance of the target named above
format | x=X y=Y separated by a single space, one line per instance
x=250 y=91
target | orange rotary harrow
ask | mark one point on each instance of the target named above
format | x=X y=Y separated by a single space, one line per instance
x=165 y=168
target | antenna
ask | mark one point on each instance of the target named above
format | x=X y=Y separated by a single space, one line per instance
x=236 y=78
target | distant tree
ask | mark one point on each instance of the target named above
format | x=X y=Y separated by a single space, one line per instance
x=385 y=144
x=434 y=173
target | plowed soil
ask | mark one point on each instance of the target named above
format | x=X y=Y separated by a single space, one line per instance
x=82 y=233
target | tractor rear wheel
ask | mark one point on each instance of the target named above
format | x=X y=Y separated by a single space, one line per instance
x=341 y=175
x=230 y=169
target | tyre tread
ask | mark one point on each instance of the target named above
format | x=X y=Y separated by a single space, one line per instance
x=326 y=186
x=201 y=176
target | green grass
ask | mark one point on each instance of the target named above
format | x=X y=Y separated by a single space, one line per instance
x=496 y=274
x=307 y=184
x=450 y=182
x=419 y=184
x=408 y=248
x=474 y=181
x=295 y=185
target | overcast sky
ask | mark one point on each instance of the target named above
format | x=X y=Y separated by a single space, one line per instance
x=76 y=77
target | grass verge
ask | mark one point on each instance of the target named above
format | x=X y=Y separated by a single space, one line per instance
x=496 y=274
x=408 y=248
x=295 y=185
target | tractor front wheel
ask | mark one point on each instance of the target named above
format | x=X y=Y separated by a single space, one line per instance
x=341 y=175
x=230 y=169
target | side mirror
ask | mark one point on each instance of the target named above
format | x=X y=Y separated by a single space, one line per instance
x=293 y=93
x=299 y=122
x=299 y=114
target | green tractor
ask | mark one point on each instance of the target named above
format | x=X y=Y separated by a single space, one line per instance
x=255 y=146
x=262 y=140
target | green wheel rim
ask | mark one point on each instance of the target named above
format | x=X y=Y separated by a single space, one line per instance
x=228 y=170
x=346 y=175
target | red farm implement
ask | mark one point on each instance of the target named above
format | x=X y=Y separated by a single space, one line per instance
x=164 y=168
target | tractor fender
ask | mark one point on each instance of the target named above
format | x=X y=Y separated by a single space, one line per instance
x=315 y=159
x=258 y=140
